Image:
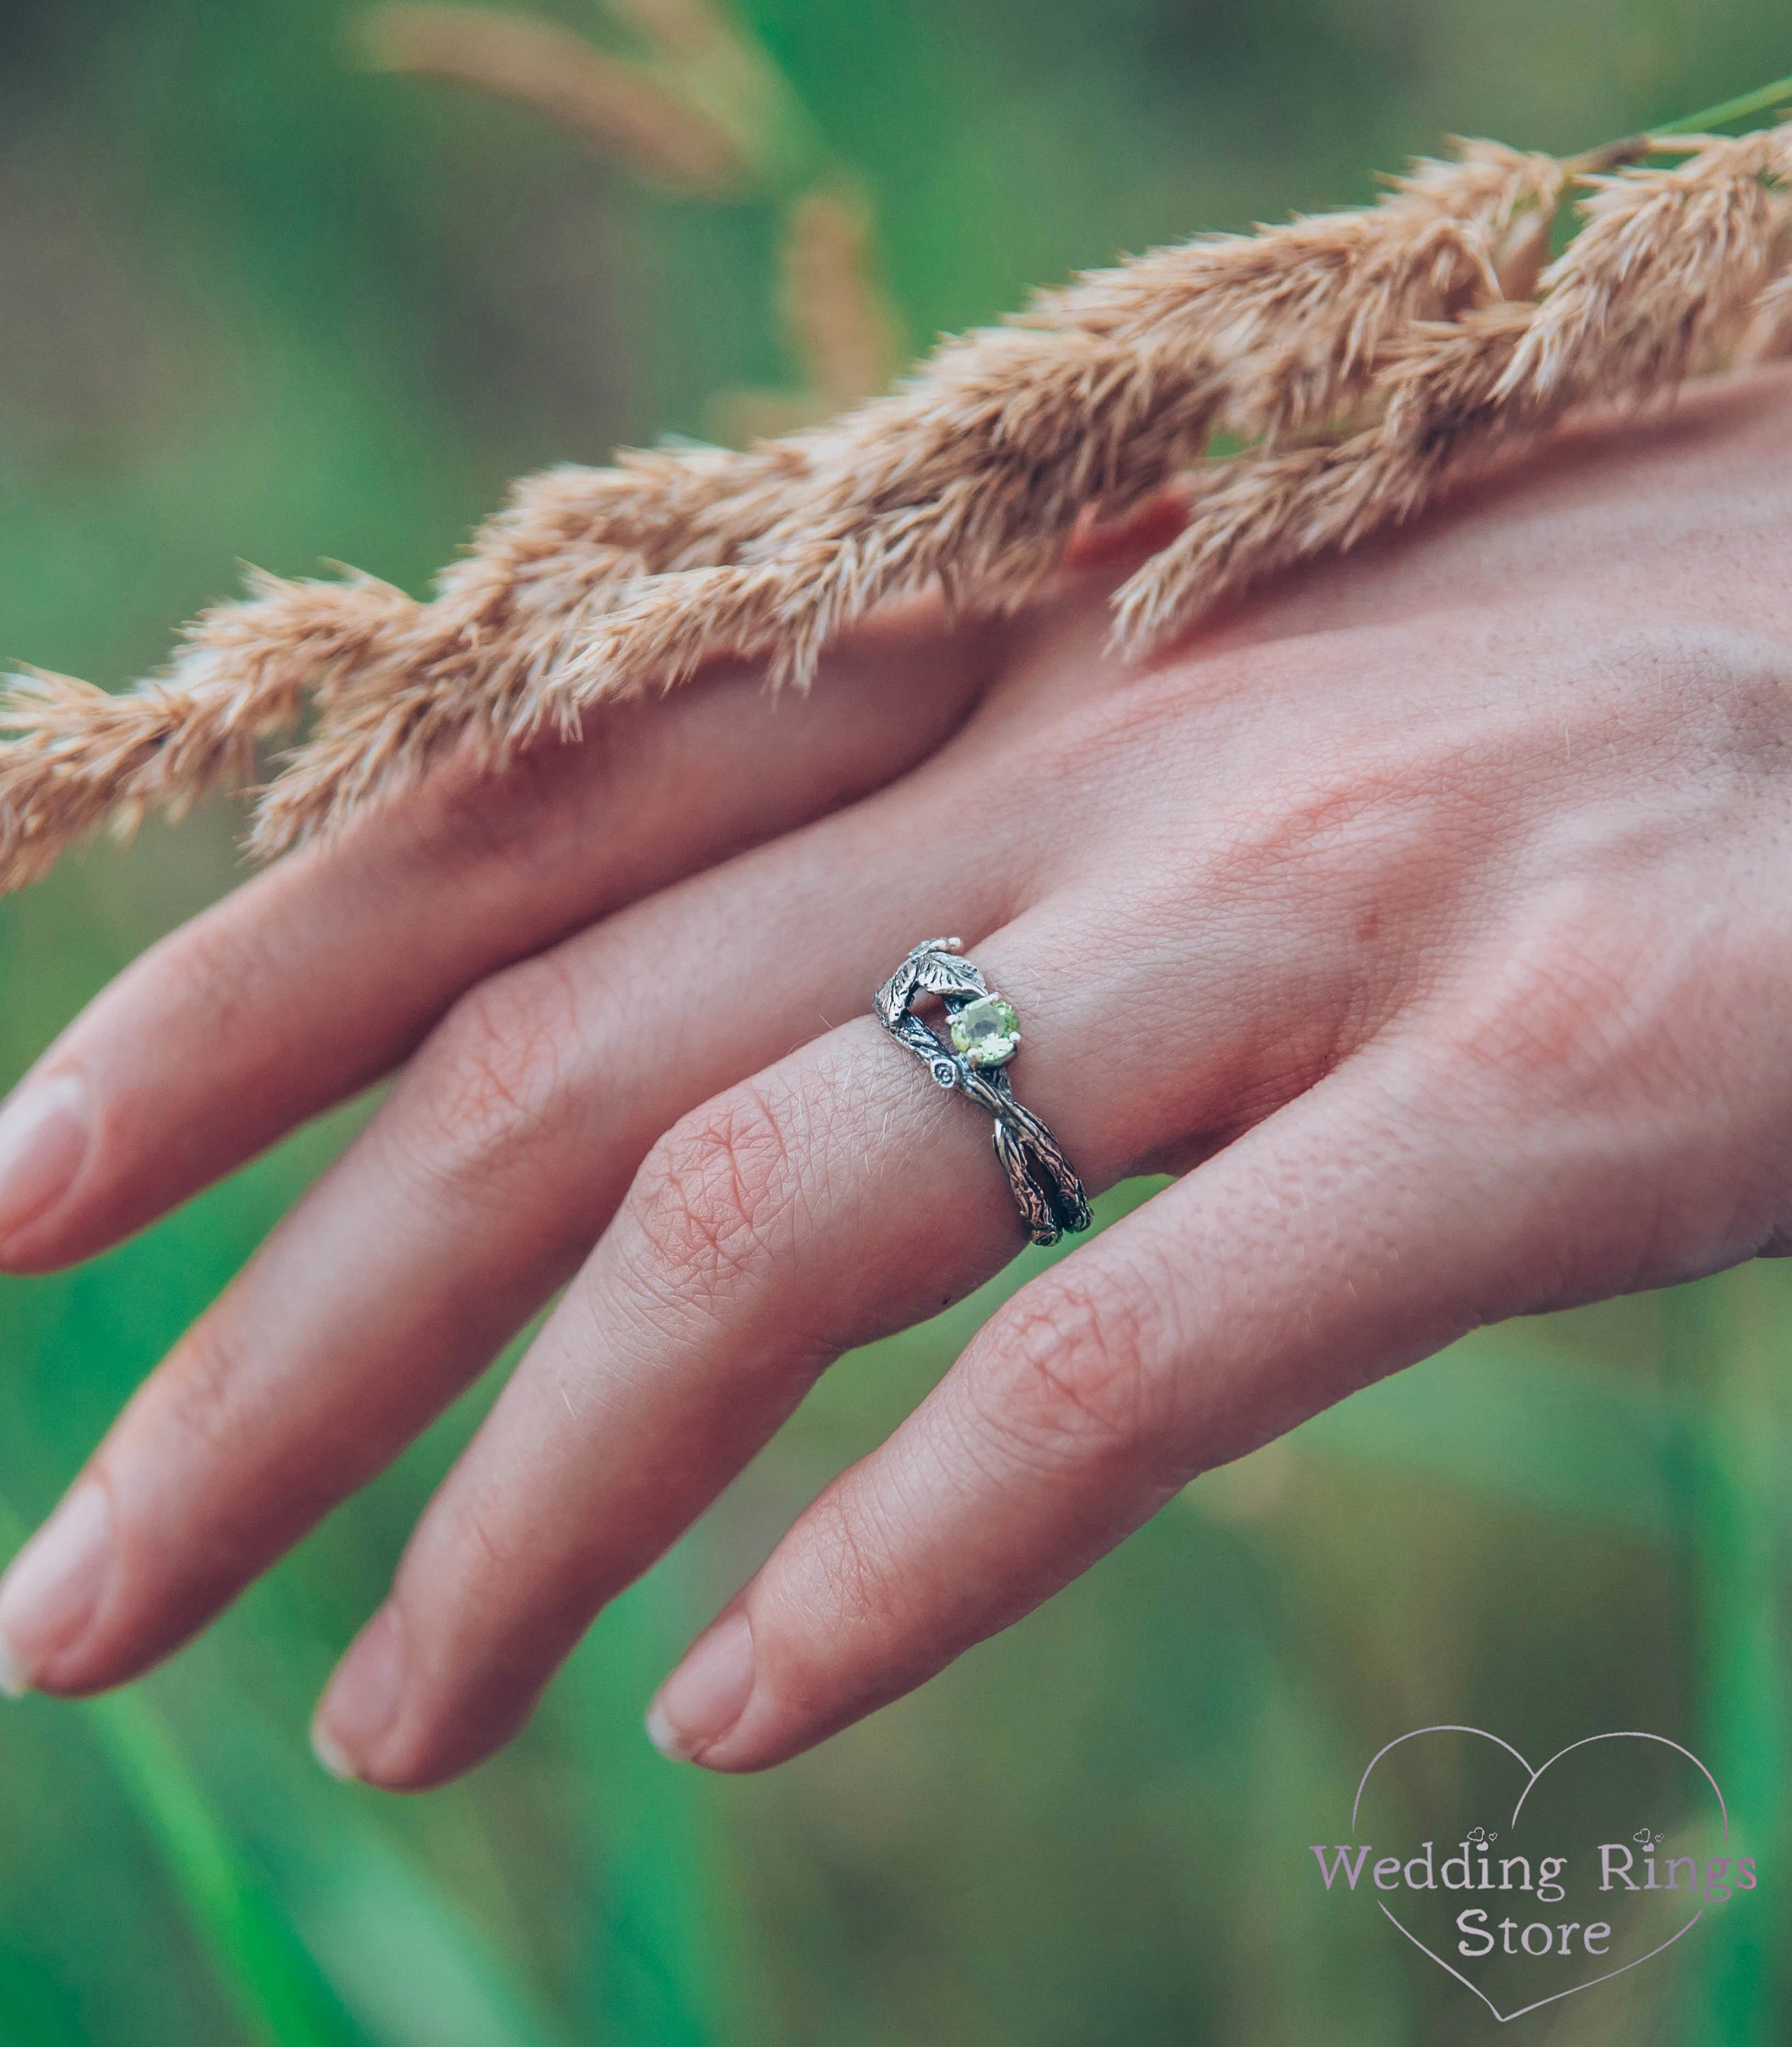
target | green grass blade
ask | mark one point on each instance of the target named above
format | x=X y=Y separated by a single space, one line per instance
x=404 y=1961
x=1766 y=99
x=408 y=1964
x=258 y=1961
x=657 y=1963
x=1731 y=1344
x=259 y=1965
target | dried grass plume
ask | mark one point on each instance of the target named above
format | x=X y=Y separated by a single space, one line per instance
x=1358 y=362
x=650 y=127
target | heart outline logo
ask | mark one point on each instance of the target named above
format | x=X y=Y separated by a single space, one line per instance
x=1532 y=1777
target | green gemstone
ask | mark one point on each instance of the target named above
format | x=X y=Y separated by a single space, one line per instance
x=987 y=1031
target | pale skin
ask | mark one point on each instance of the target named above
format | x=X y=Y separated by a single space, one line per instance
x=1431 y=918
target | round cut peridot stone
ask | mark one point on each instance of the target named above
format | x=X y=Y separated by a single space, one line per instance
x=987 y=1031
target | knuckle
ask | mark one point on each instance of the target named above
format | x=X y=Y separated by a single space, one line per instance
x=1584 y=998
x=525 y=820
x=712 y=1191
x=1363 y=820
x=492 y=1082
x=208 y=970
x=1722 y=685
x=193 y=1405
x=853 y=1566
x=1066 y=1375
x=1710 y=701
x=483 y=1538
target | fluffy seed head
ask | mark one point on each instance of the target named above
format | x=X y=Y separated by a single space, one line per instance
x=1364 y=360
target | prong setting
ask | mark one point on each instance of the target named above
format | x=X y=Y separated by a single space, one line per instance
x=986 y=1032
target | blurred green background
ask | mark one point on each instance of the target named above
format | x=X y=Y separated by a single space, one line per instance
x=256 y=303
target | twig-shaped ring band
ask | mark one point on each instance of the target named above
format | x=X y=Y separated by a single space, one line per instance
x=985 y=1033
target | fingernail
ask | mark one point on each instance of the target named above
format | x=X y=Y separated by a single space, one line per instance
x=330 y=1753
x=49 y=1595
x=706 y=1694
x=44 y=1132
x=361 y=1701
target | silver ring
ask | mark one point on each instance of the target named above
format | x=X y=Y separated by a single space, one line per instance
x=985 y=1034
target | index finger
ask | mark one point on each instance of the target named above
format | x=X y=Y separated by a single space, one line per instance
x=317 y=978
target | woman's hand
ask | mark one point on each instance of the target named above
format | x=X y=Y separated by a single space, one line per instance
x=1433 y=920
